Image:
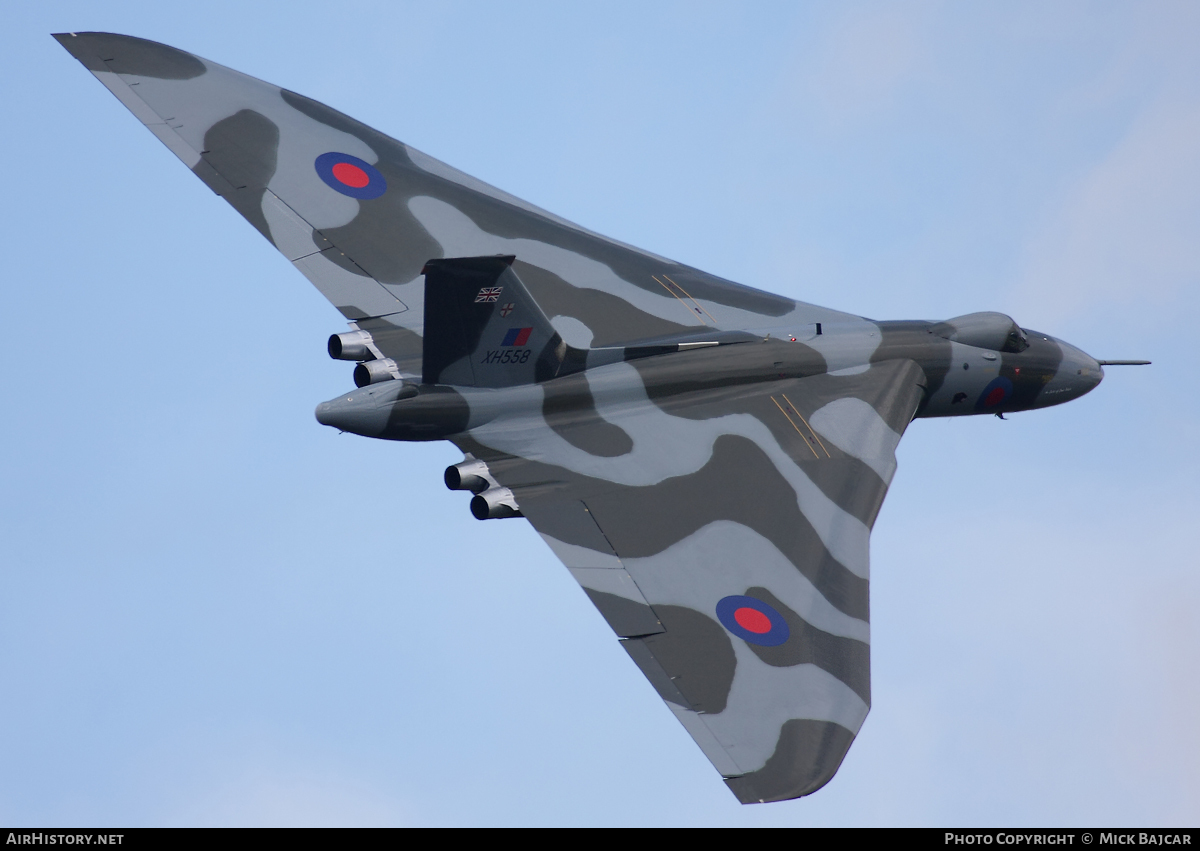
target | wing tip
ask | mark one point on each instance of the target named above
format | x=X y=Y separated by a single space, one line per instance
x=809 y=753
x=64 y=38
x=129 y=54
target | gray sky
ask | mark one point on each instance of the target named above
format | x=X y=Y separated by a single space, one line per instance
x=215 y=611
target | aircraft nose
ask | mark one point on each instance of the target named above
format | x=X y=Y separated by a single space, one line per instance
x=1078 y=373
x=1088 y=371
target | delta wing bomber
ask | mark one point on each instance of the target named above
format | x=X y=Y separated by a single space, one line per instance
x=706 y=459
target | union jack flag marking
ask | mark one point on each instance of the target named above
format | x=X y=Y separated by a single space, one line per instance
x=489 y=294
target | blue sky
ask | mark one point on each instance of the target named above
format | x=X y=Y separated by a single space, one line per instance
x=215 y=611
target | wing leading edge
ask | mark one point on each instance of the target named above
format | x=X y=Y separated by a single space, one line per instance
x=724 y=537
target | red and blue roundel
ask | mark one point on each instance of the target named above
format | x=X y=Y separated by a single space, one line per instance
x=997 y=392
x=350 y=176
x=752 y=620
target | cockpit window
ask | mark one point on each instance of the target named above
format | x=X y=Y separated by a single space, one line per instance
x=1016 y=341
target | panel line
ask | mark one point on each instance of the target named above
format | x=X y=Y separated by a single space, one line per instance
x=810 y=428
x=689 y=295
x=807 y=442
x=691 y=312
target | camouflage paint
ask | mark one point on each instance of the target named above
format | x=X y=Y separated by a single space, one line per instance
x=683 y=438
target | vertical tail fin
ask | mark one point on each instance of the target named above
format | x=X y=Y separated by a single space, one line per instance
x=483 y=328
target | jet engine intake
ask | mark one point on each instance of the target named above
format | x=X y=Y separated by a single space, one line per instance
x=352 y=345
x=495 y=504
x=471 y=475
x=375 y=371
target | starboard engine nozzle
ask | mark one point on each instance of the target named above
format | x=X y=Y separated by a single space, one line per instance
x=469 y=475
x=375 y=371
x=495 y=504
x=352 y=345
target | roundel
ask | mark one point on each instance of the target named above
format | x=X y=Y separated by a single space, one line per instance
x=752 y=620
x=350 y=176
x=996 y=393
